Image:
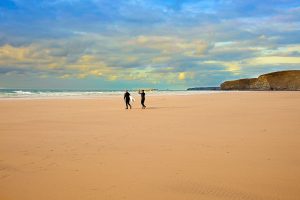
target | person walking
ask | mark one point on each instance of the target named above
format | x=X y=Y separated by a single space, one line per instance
x=143 y=98
x=127 y=99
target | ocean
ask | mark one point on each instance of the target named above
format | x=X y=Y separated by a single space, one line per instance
x=56 y=93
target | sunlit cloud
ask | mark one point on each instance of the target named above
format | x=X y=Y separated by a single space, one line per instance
x=181 y=76
x=275 y=60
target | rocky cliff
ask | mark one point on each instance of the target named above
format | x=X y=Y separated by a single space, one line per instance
x=283 y=80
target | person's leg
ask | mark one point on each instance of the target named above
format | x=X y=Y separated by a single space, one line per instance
x=143 y=103
x=127 y=102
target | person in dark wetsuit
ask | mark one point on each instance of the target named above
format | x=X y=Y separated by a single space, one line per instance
x=142 y=93
x=127 y=99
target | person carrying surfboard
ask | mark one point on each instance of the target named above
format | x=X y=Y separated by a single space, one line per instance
x=143 y=98
x=127 y=99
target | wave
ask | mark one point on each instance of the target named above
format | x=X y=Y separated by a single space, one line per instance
x=22 y=92
x=11 y=93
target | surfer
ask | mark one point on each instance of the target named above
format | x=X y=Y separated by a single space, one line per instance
x=142 y=93
x=127 y=99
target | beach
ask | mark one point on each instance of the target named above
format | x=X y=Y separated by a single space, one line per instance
x=221 y=146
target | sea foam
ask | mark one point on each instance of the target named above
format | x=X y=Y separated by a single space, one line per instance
x=45 y=94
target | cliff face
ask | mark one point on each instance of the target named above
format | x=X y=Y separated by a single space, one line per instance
x=241 y=84
x=283 y=80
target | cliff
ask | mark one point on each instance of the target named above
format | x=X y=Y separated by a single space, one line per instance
x=282 y=80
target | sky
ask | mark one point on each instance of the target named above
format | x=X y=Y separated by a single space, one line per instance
x=128 y=44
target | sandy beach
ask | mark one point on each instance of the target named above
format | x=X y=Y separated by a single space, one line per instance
x=226 y=146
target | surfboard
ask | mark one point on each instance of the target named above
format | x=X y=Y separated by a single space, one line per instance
x=131 y=99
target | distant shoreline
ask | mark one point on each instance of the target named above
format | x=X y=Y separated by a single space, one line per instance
x=63 y=94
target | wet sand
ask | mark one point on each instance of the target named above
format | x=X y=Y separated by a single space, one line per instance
x=226 y=146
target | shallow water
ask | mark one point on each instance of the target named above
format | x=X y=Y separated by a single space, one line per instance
x=37 y=94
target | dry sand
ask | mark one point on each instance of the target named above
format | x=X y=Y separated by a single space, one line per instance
x=219 y=146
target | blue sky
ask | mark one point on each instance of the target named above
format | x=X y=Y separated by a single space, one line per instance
x=105 y=44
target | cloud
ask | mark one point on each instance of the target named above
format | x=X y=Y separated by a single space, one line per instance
x=171 y=45
x=181 y=76
x=277 y=60
x=166 y=43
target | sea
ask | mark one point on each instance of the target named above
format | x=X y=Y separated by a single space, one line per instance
x=59 y=93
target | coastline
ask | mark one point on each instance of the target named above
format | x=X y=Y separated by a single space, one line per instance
x=61 y=95
x=95 y=94
x=231 y=145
